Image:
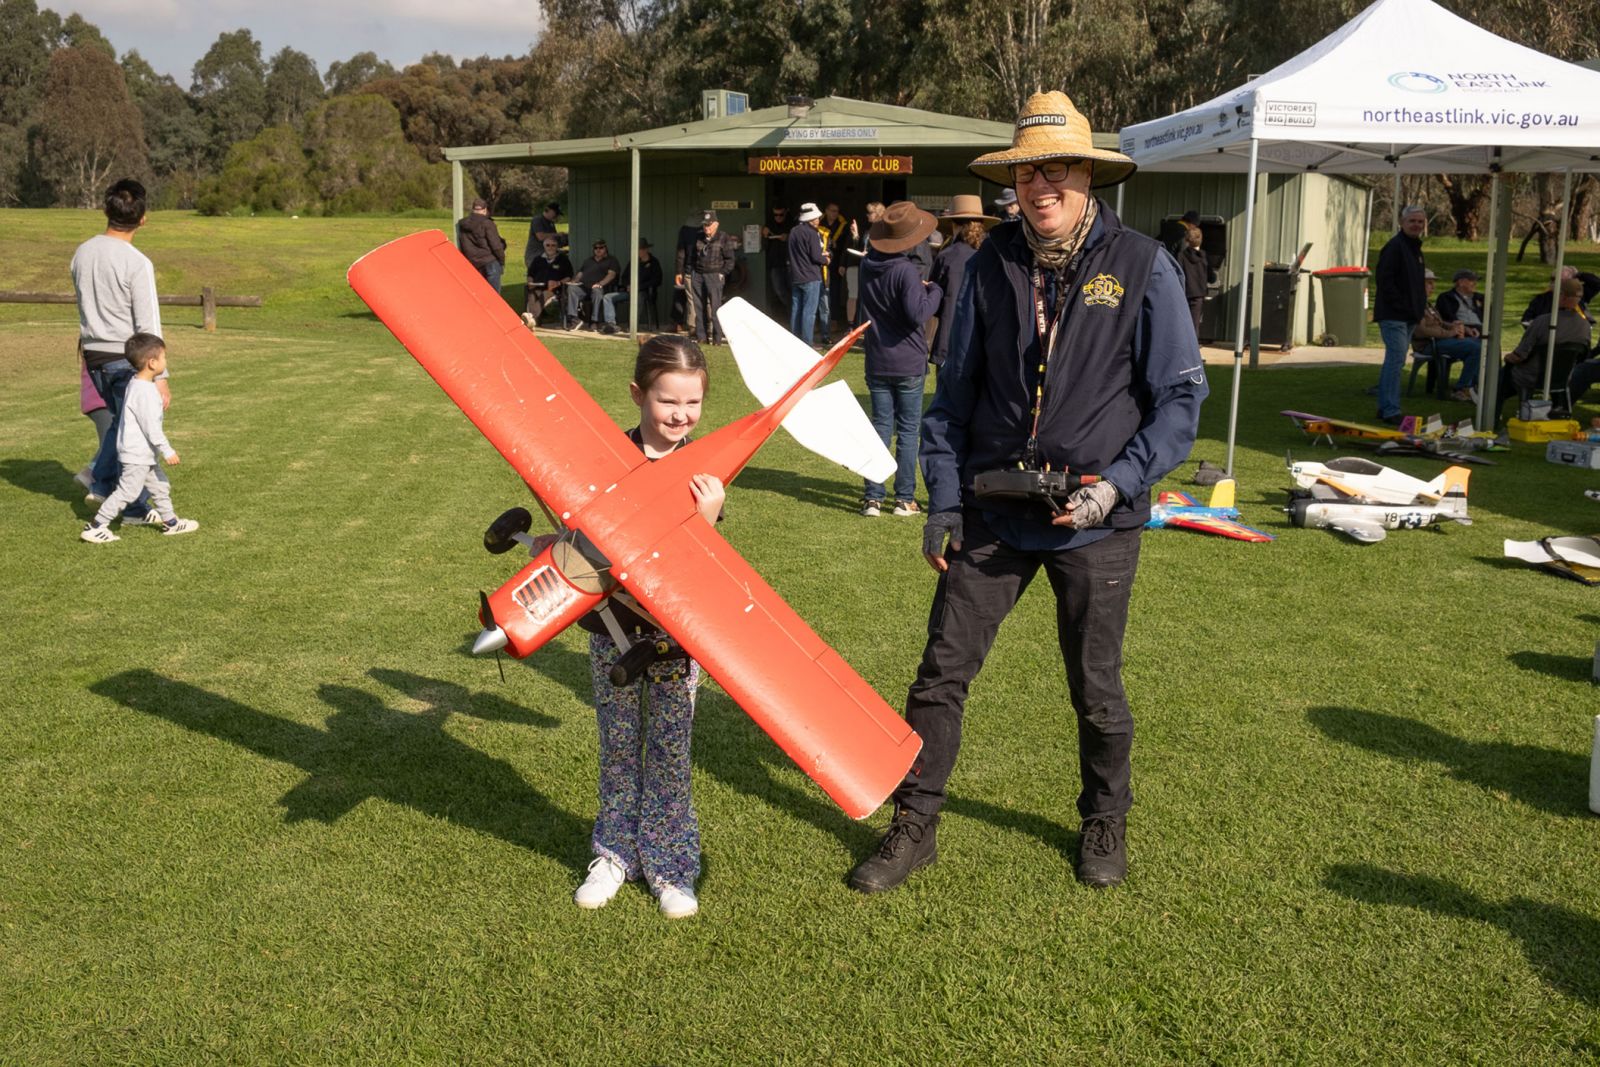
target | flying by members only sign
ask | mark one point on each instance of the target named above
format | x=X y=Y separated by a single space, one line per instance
x=784 y=166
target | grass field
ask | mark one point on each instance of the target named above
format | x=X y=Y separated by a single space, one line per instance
x=258 y=805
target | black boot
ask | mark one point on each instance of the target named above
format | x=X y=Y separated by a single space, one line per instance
x=910 y=842
x=1103 y=851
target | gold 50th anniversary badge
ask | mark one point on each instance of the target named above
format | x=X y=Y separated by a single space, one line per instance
x=1103 y=289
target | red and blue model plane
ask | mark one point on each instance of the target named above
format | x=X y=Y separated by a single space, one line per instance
x=1221 y=516
x=629 y=527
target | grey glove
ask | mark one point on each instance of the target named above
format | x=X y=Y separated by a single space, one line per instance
x=940 y=524
x=1091 y=504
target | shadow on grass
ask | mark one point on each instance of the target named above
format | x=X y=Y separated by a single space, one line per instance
x=1560 y=944
x=1567 y=668
x=1545 y=778
x=445 y=697
x=370 y=750
x=47 y=477
x=731 y=748
x=843 y=493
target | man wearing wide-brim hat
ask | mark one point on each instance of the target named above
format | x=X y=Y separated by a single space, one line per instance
x=898 y=303
x=1072 y=350
x=966 y=226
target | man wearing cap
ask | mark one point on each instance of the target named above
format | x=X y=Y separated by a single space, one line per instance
x=596 y=278
x=1398 y=305
x=707 y=263
x=479 y=240
x=807 y=257
x=1460 y=309
x=965 y=226
x=898 y=303
x=1072 y=350
x=542 y=226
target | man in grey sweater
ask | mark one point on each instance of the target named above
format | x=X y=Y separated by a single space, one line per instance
x=116 y=287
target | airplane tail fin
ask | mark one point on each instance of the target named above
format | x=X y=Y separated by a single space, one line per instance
x=1451 y=485
x=828 y=421
x=1222 y=494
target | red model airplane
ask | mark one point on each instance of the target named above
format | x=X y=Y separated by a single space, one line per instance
x=630 y=526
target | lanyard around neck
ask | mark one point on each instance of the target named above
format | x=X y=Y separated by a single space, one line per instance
x=1046 y=327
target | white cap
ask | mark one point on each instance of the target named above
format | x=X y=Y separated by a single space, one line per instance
x=808 y=212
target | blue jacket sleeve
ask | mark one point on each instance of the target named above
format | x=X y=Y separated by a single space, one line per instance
x=920 y=301
x=1167 y=363
x=944 y=427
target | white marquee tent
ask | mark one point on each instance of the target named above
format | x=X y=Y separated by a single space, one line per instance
x=1404 y=87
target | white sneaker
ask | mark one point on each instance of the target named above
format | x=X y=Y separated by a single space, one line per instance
x=178 y=526
x=605 y=878
x=678 y=903
x=871 y=508
x=93 y=499
x=528 y=319
x=98 y=535
x=906 y=507
x=149 y=518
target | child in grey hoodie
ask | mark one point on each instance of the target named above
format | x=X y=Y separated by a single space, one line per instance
x=139 y=438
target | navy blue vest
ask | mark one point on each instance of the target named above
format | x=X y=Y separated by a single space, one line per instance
x=1094 y=402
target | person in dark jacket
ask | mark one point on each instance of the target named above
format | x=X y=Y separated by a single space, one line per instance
x=1197 y=272
x=775 y=238
x=546 y=276
x=1540 y=304
x=1399 y=305
x=706 y=266
x=1074 y=316
x=965 y=226
x=650 y=279
x=543 y=225
x=479 y=240
x=807 y=257
x=899 y=304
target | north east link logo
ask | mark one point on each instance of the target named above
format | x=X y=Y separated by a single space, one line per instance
x=1104 y=289
x=1415 y=81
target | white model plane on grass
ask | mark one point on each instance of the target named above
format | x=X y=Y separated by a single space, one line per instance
x=1364 y=500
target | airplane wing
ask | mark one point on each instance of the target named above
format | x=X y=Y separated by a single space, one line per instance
x=1180 y=499
x=828 y=421
x=1221 y=527
x=468 y=339
x=1368 y=533
x=799 y=690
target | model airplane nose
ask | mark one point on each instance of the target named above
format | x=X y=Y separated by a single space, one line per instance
x=492 y=639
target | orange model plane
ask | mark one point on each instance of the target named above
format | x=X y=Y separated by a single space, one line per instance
x=630 y=526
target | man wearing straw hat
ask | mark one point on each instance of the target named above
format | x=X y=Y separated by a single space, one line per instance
x=964 y=226
x=1072 y=350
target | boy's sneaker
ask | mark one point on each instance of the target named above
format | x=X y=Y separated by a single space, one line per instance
x=149 y=518
x=906 y=507
x=677 y=903
x=178 y=526
x=93 y=499
x=97 y=535
x=605 y=878
x=871 y=508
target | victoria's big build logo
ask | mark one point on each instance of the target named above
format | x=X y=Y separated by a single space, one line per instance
x=1417 y=81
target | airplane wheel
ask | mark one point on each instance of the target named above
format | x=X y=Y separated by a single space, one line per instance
x=499 y=536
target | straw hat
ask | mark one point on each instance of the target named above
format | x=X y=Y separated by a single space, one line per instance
x=903 y=225
x=1051 y=128
x=964 y=207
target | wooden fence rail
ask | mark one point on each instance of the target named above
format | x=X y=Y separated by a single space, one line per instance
x=207 y=300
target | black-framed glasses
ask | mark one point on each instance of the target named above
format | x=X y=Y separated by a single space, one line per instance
x=1055 y=170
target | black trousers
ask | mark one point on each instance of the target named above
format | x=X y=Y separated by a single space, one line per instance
x=707 y=299
x=1092 y=587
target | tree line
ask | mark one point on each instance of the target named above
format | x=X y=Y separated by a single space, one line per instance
x=253 y=133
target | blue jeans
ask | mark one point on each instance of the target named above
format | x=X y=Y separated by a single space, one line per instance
x=111 y=382
x=1396 y=343
x=897 y=407
x=803 y=309
x=492 y=273
x=1464 y=349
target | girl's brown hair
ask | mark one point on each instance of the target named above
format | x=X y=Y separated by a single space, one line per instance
x=665 y=353
x=973 y=233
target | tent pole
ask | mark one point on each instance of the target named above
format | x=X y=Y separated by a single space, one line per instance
x=1244 y=302
x=1495 y=309
x=1555 y=284
x=1394 y=214
x=1491 y=296
x=457 y=201
x=1120 y=187
x=637 y=292
x=1258 y=275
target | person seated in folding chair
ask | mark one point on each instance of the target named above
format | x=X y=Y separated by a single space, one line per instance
x=546 y=275
x=615 y=304
x=585 y=293
x=1523 y=373
x=1444 y=342
x=1460 y=308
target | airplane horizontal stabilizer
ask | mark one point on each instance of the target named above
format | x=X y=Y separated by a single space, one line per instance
x=828 y=421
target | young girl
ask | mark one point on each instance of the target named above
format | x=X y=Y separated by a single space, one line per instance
x=646 y=827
